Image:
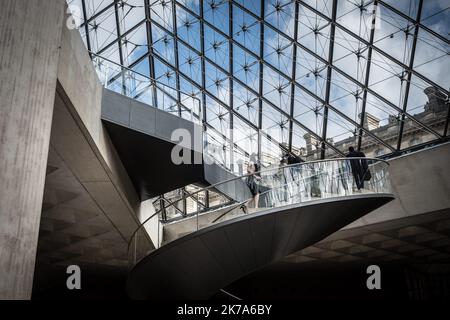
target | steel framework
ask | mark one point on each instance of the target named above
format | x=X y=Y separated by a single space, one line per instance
x=309 y=77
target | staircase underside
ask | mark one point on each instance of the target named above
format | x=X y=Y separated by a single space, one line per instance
x=147 y=160
x=197 y=265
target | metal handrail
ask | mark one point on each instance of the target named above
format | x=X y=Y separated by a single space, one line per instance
x=250 y=174
x=238 y=204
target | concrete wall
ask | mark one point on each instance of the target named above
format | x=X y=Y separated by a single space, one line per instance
x=141 y=117
x=152 y=225
x=79 y=80
x=420 y=183
x=30 y=33
x=39 y=57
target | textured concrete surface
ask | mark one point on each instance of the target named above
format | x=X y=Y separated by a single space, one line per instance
x=39 y=57
x=420 y=182
x=83 y=93
x=74 y=229
x=141 y=117
x=30 y=34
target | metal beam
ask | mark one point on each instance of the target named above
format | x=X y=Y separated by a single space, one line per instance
x=323 y=61
x=119 y=43
x=151 y=63
x=238 y=81
x=261 y=79
x=202 y=42
x=408 y=81
x=328 y=87
x=294 y=73
x=367 y=75
x=175 y=47
x=86 y=27
x=230 y=79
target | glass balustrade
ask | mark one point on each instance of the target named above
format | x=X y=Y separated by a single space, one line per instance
x=270 y=188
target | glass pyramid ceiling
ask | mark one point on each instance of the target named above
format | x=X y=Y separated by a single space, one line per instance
x=309 y=77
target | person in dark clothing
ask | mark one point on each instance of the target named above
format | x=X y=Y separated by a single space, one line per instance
x=294 y=171
x=253 y=179
x=292 y=159
x=359 y=166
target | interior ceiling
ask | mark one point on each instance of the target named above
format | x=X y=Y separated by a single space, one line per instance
x=299 y=72
x=73 y=229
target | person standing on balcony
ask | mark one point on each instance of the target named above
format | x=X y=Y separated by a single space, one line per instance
x=294 y=170
x=252 y=181
x=359 y=166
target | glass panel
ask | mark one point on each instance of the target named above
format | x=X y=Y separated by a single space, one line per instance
x=216 y=12
x=165 y=74
x=323 y=6
x=102 y=30
x=350 y=55
x=414 y=134
x=217 y=83
x=313 y=32
x=246 y=30
x=373 y=148
x=308 y=111
x=193 y=5
x=428 y=104
x=304 y=144
x=188 y=28
x=394 y=30
x=217 y=147
x=134 y=45
x=278 y=51
x=190 y=63
x=190 y=99
x=163 y=45
x=356 y=16
x=311 y=73
x=95 y=6
x=408 y=7
x=217 y=48
x=383 y=121
x=277 y=89
x=254 y=5
x=394 y=35
x=130 y=14
x=432 y=59
x=245 y=140
x=161 y=13
x=280 y=13
x=435 y=15
x=246 y=67
x=340 y=132
x=388 y=79
x=275 y=124
x=142 y=89
x=218 y=116
x=346 y=96
x=245 y=103
x=271 y=152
